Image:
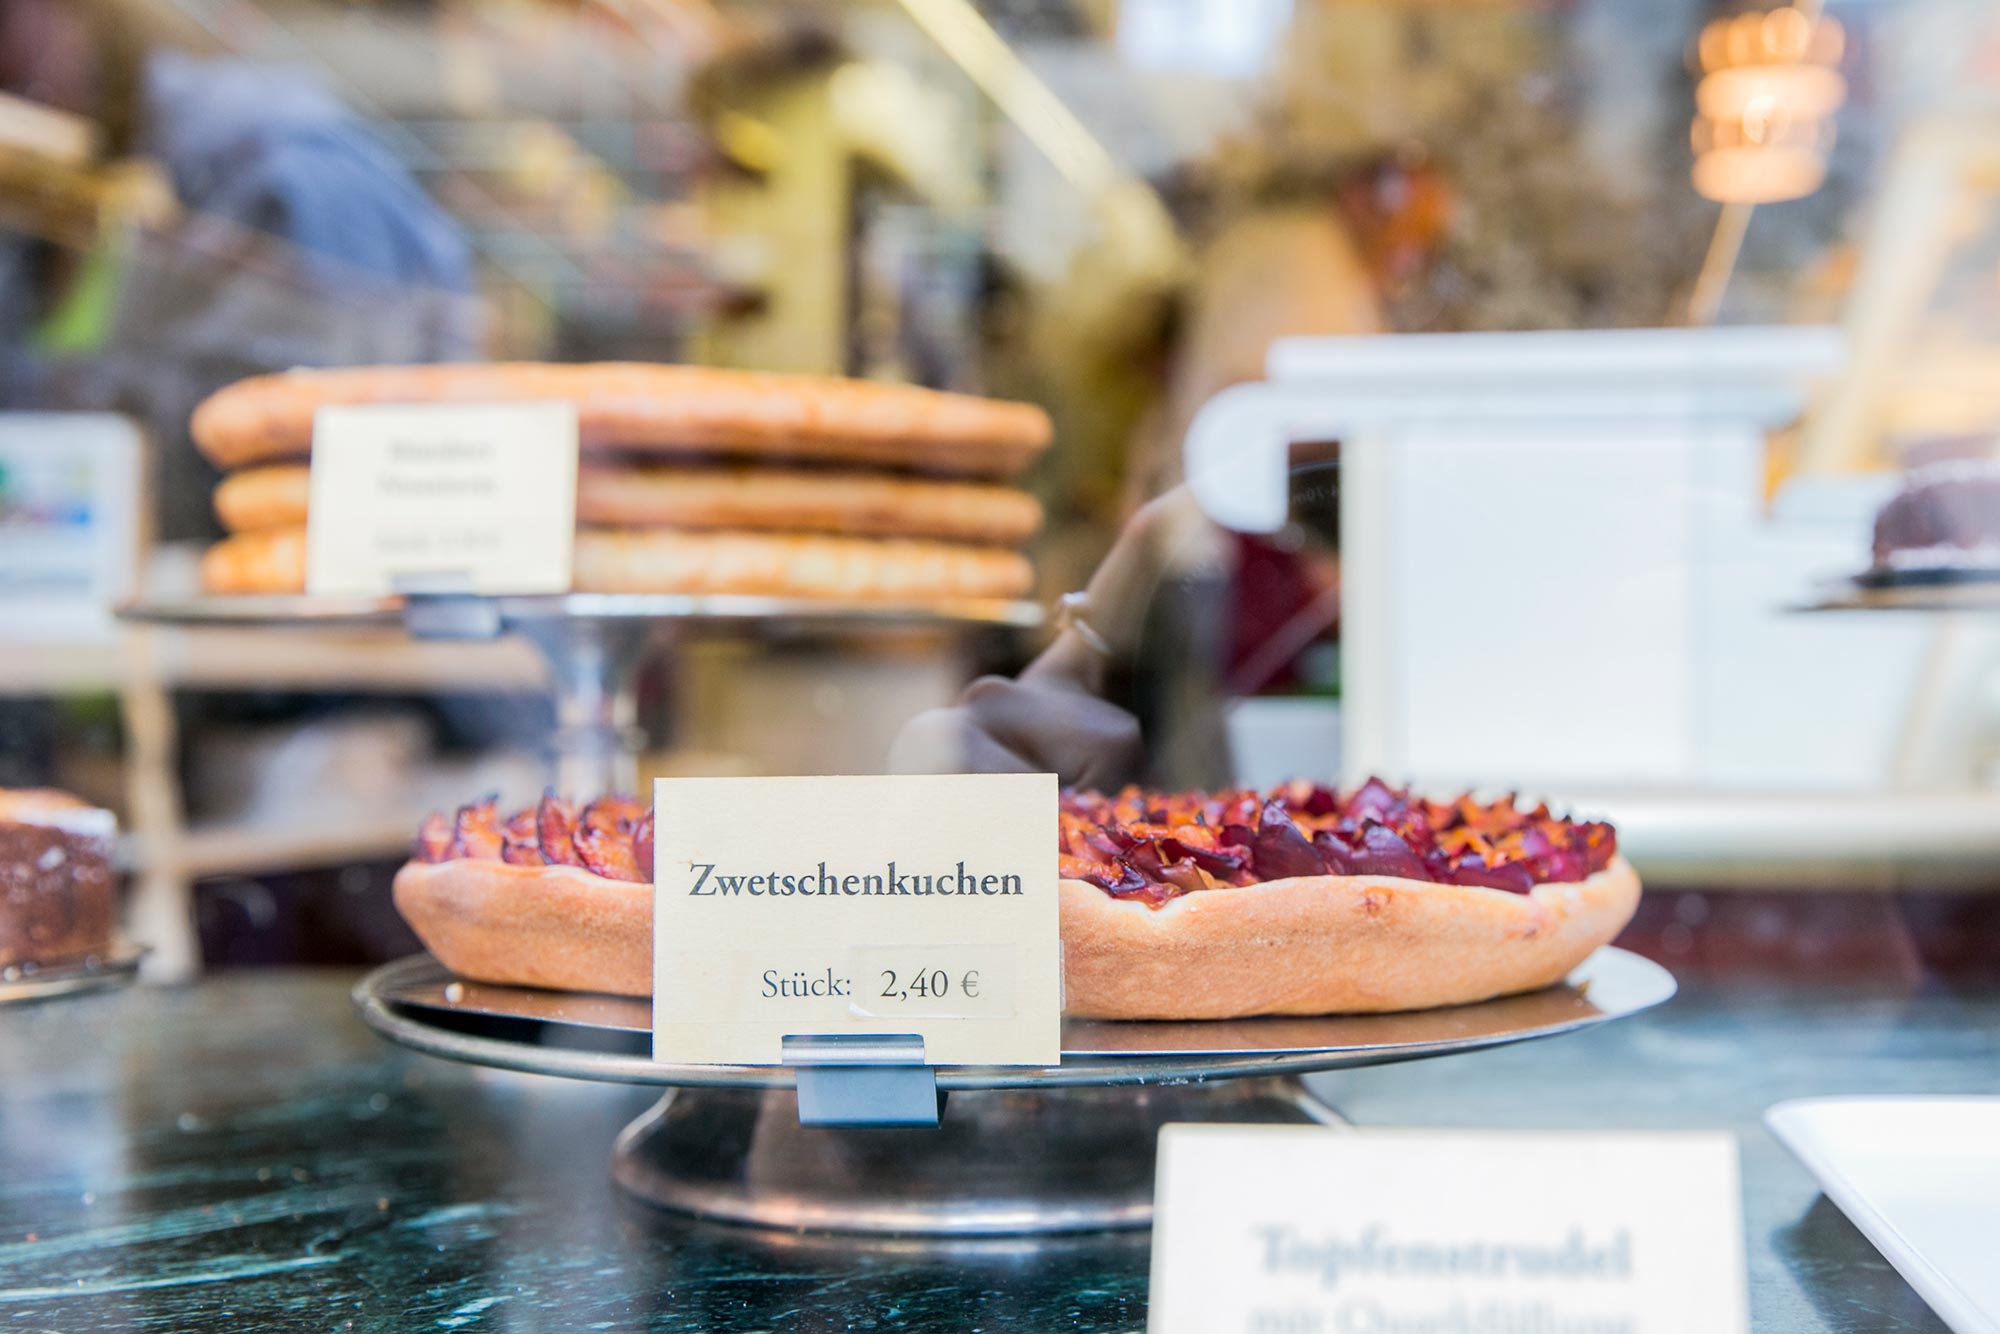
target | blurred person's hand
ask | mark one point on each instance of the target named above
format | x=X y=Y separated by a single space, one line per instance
x=1003 y=726
x=1054 y=717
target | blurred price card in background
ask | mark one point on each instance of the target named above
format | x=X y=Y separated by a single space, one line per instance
x=1304 y=1230
x=882 y=905
x=70 y=523
x=442 y=498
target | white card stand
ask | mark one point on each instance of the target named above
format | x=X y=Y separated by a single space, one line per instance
x=1558 y=570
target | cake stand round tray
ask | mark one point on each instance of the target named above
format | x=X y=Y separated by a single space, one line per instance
x=452 y=615
x=25 y=983
x=594 y=644
x=1018 y=1150
x=1978 y=592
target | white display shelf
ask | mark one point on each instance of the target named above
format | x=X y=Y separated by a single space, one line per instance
x=1804 y=841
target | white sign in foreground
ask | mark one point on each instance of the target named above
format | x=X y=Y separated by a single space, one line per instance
x=1302 y=1230
x=442 y=498
x=884 y=905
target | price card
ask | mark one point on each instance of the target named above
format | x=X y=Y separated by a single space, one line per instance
x=808 y=906
x=1302 y=1230
x=442 y=498
x=70 y=500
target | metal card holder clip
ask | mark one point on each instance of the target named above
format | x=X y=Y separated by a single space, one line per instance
x=863 y=1079
x=434 y=615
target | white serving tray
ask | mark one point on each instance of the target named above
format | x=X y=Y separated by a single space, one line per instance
x=1921 y=1177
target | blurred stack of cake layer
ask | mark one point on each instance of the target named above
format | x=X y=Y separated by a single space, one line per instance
x=692 y=480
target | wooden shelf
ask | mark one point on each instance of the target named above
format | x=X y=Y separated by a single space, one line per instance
x=267 y=659
x=244 y=849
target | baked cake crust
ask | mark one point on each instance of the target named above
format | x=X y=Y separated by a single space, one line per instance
x=661 y=409
x=839 y=502
x=661 y=560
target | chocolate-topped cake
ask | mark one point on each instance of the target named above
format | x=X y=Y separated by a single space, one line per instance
x=1945 y=521
x=58 y=889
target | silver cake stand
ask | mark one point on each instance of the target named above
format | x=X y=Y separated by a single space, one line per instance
x=26 y=983
x=594 y=643
x=1066 y=1148
x=1967 y=592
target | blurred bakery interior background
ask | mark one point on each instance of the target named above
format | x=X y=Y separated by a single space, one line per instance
x=1537 y=371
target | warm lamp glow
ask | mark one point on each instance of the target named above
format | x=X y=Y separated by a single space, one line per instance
x=1804 y=90
x=1758 y=175
x=1765 y=99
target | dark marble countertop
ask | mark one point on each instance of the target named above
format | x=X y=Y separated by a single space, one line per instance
x=244 y=1155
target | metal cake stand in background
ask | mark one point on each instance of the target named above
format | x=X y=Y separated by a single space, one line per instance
x=26 y=983
x=594 y=643
x=1973 y=597
x=1016 y=1150
x=1978 y=592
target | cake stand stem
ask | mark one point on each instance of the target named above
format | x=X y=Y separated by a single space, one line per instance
x=594 y=668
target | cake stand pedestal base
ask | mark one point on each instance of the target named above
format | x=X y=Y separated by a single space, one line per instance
x=1001 y=1162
